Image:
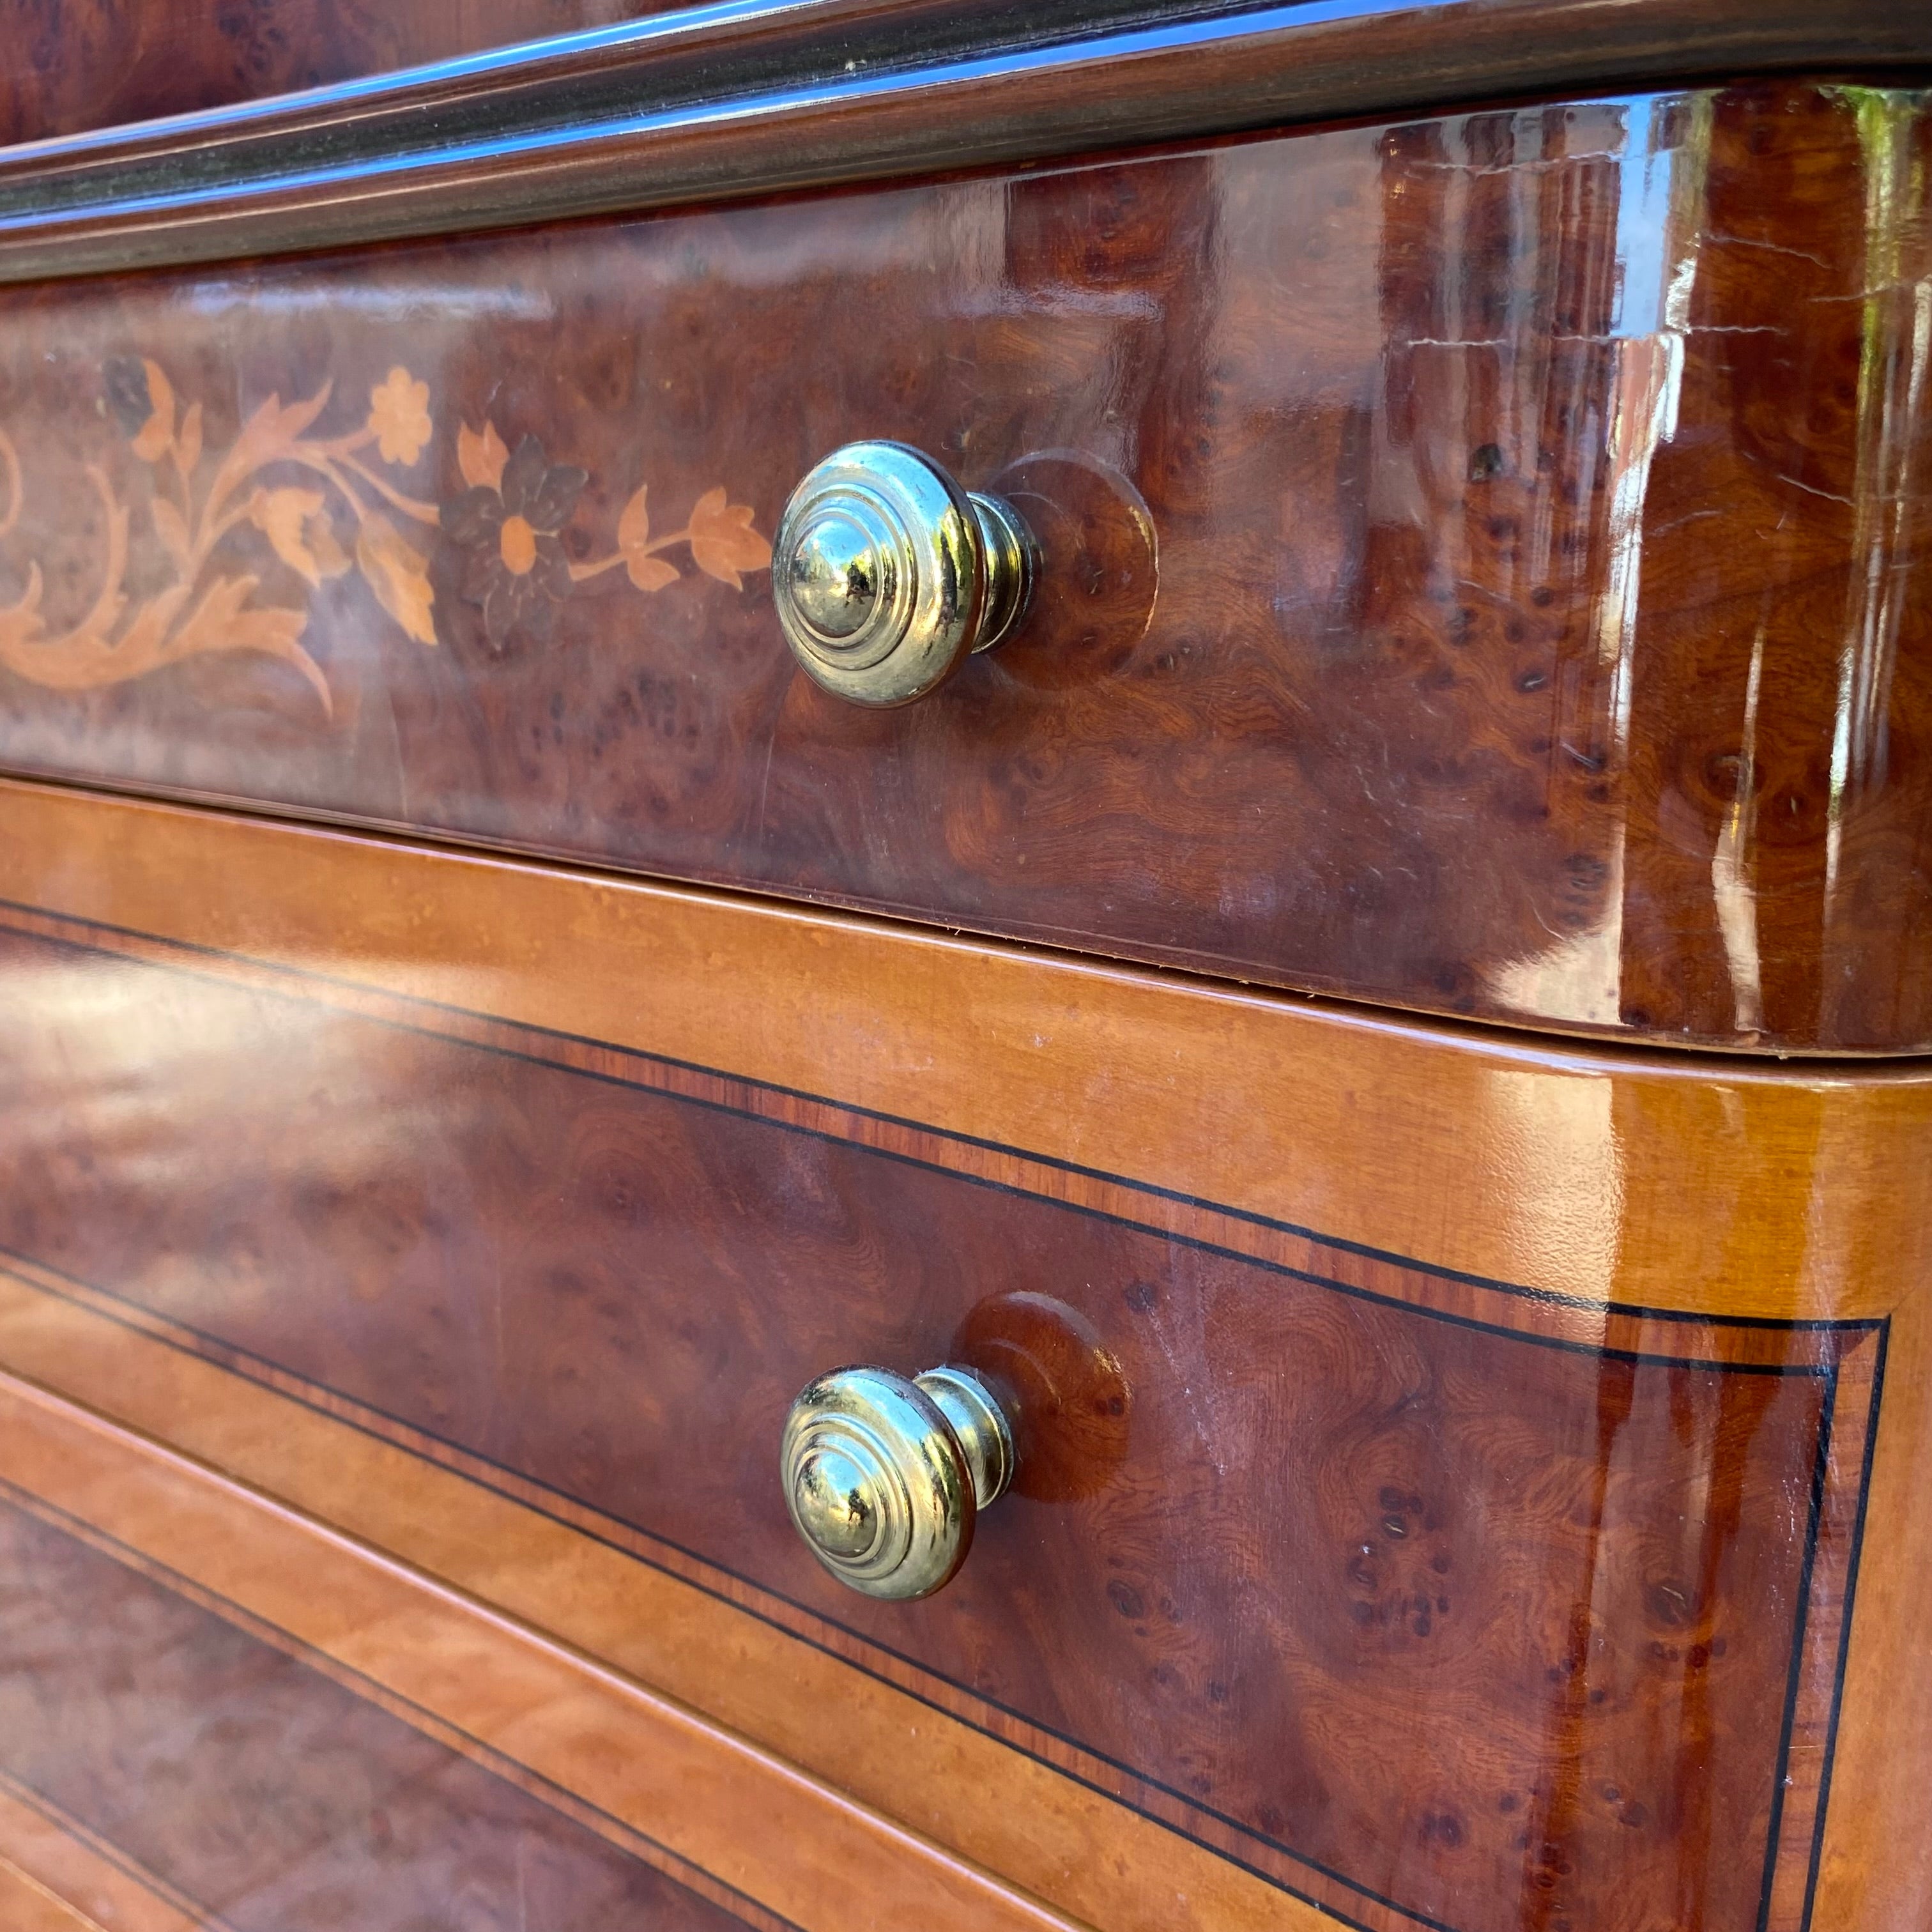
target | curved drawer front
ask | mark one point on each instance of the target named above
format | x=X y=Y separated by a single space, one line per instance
x=1482 y=558
x=1382 y=1584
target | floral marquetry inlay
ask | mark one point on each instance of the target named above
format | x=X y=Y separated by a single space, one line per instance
x=320 y=507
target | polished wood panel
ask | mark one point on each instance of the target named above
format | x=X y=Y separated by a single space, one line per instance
x=1529 y=503
x=599 y=1279
x=1048 y=1831
x=254 y=1786
x=1658 y=1181
x=724 y=102
x=409 y=1700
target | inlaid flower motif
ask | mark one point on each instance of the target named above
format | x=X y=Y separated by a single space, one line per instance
x=513 y=562
x=723 y=543
x=399 y=417
x=321 y=505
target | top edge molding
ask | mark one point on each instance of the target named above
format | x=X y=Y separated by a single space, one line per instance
x=757 y=97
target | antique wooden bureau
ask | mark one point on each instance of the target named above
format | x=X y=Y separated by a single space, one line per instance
x=966 y=966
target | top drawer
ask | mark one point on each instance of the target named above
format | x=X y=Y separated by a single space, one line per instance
x=1483 y=558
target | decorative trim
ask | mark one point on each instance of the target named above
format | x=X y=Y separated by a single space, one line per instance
x=753 y=96
x=1845 y=1357
x=341 y=515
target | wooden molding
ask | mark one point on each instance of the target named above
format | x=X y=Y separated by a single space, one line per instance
x=1696 y=1184
x=733 y=100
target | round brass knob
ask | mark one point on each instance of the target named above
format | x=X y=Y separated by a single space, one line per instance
x=884 y=1475
x=888 y=576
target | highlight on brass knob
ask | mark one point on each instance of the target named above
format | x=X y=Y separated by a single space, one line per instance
x=888 y=576
x=885 y=1474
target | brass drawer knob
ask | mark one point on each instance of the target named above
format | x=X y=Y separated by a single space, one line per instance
x=888 y=576
x=884 y=1476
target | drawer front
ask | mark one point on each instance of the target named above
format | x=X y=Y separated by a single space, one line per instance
x=163 y=1766
x=1482 y=556
x=1404 y=1589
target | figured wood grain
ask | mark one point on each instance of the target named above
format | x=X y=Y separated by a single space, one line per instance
x=1724 y=1188
x=272 y=1797
x=1047 y=1830
x=1538 y=586
x=1876 y=1865
x=445 y=1676
x=544 y=1268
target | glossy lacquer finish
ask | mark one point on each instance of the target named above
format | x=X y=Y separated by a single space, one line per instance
x=196 y=1771
x=1483 y=558
x=1385 y=1585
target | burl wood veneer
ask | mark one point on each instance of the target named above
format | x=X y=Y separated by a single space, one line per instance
x=1415 y=1592
x=252 y=1791
x=1485 y=554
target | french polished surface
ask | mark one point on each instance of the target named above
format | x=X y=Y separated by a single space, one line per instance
x=1387 y=1587
x=1482 y=557
x=965 y=967
x=170 y=1726
x=443 y=1761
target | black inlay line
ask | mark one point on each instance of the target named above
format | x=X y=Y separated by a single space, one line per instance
x=31 y=1798
x=331 y=1670
x=1826 y=1371
x=480 y=1458
x=1564 y=1344
x=1821 y=1470
x=1543 y=1296
x=33 y=1505
x=1845 y=1627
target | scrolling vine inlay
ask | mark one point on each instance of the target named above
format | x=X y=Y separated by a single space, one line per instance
x=324 y=506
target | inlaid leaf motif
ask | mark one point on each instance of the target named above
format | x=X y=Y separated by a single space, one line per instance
x=480 y=459
x=293 y=521
x=396 y=574
x=99 y=650
x=723 y=543
x=271 y=435
x=188 y=441
x=158 y=431
x=634 y=535
x=304 y=491
x=634 y=526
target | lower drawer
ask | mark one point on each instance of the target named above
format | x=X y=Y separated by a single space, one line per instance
x=171 y=1762
x=1444 y=1469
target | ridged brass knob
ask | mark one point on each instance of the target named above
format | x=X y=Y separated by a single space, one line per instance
x=884 y=1475
x=888 y=576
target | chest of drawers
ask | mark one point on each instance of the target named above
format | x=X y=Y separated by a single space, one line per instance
x=1377 y=1031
